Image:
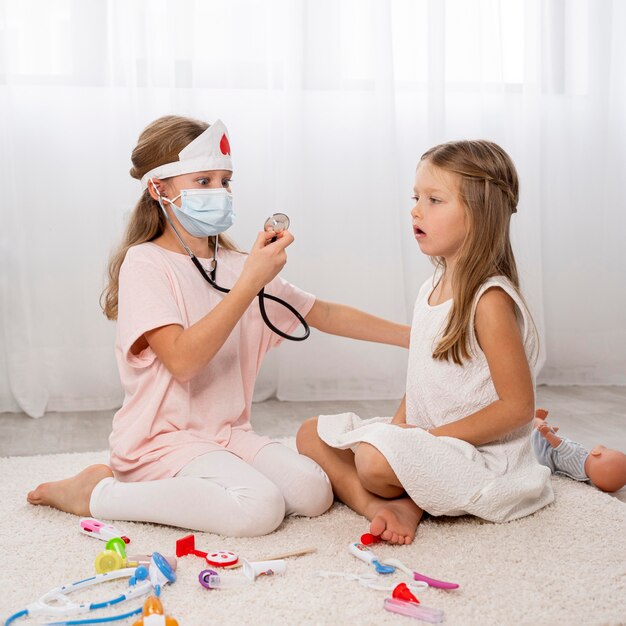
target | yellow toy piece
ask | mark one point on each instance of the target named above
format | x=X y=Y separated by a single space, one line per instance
x=153 y=614
x=107 y=561
x=113 y=557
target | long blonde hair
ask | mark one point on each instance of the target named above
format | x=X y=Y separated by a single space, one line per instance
x=159 y=143
x=489 y=190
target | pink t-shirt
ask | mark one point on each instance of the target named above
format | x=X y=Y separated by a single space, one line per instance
x=164 y=424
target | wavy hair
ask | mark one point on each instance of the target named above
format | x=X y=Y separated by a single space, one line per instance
x=489 y=190
x=159 y=143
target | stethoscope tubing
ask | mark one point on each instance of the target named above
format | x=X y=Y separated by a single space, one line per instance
x=262 y=296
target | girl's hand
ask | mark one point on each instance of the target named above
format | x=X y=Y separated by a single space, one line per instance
x=266 y=259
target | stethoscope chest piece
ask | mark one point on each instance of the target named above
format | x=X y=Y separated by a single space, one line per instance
x=277 y=222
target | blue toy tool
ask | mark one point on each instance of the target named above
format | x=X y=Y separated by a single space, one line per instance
x=365 y=554
x=141 y=581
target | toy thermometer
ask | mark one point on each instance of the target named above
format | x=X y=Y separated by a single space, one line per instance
x=100 y=530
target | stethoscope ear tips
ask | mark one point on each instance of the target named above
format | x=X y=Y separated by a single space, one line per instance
x=277 y=222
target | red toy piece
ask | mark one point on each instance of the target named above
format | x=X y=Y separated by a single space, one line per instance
x=368 y=539
x=187 y=545
x=402 y=592
x=223 y=558
x=220 y=558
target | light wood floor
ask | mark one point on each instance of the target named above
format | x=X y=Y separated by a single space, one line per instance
x=589 y=415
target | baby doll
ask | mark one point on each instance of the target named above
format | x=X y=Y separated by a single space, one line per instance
x=602 y=467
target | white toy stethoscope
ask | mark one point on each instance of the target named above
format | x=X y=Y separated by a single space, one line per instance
x=141 y=582
x=277 y=222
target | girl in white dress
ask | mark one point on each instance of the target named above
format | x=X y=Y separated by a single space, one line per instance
x=459 y=441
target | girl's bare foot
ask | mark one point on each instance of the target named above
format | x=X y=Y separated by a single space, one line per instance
x=396 y=520
x=71 y=495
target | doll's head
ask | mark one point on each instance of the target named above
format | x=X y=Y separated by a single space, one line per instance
x=606 y=468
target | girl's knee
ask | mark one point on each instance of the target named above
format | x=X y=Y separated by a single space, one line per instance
x=314 y=493
x=371 y=465
x=260 y=516
x=307 y=437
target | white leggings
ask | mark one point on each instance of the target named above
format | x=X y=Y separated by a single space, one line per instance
x=220 y=493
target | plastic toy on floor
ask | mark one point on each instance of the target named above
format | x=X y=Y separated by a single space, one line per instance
x=603 y=467
x=275 y=557
x=141 y=581
x=210 y=579
x=99 y=530
x=431 y=582
x=220 y=558
x=365 y=554
x=114 y=557
x=154 y=615
x=403 y=602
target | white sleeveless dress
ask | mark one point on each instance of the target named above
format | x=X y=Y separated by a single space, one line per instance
x=499 y=481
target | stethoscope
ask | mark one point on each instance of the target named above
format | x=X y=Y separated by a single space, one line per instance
x=141 y=581
x=277 y=222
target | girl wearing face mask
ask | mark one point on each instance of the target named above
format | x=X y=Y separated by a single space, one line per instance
x=183 y=452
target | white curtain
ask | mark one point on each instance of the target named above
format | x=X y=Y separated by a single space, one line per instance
x=329 y=105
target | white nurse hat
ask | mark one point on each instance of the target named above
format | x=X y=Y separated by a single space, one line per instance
x=208 y=151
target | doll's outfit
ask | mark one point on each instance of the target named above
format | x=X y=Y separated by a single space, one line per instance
x=498 y=481
x=567 y=458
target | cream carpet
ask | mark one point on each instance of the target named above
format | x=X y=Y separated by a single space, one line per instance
x=563 y=565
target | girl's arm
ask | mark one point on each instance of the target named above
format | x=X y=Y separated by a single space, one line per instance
x=338 y=319
x=500 y=340
x=184 y=352
x=400 y=417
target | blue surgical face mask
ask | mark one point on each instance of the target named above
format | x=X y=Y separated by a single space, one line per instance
x=204 y=212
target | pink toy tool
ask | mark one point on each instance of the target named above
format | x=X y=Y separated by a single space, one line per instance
x=432 y=582
x=403 y=602
x=100 y=530
x=220 y=558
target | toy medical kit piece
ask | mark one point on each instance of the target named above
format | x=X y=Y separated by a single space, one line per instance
x=141 y=580
x=210 y=579
x=187 y=545
x=277 y=222
x=403 y=602
x=277 y=557
x=253 y=569
x=135 y=560
x=431 y=582
x=100 y=530
x=114 y=557
x=154 y=615
x=365 y=554
x=203 y=577
x=367 y=539
x=221 y=558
